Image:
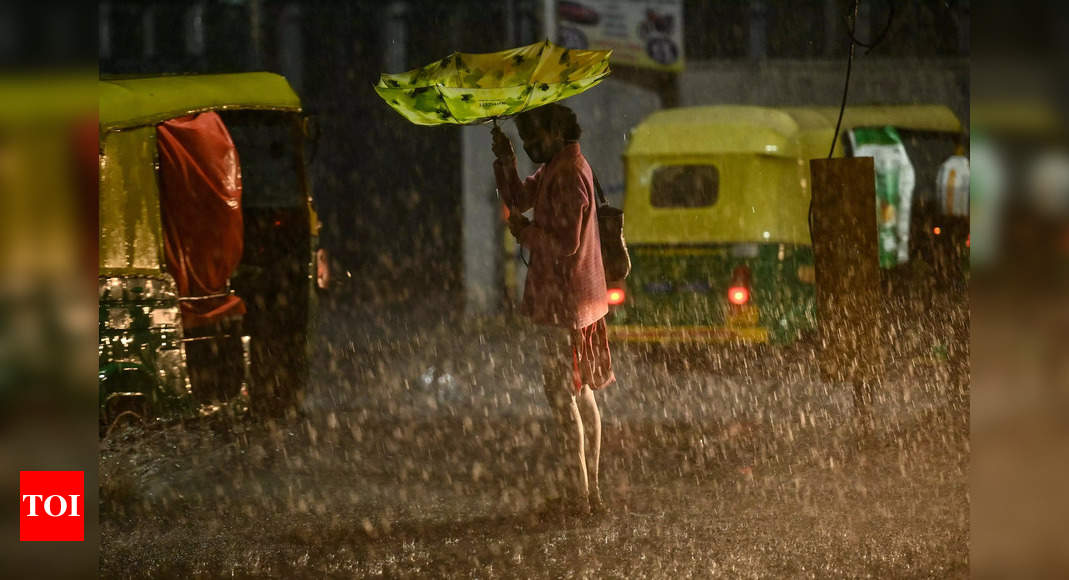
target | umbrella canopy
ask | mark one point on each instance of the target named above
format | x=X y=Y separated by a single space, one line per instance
x=464 y=89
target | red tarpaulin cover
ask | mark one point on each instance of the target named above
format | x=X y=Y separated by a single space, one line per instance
x=200 y=198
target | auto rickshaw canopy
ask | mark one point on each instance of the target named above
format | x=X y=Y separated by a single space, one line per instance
x=714 y=129
x=136 y=102
x=770 y=131
x=131 y=239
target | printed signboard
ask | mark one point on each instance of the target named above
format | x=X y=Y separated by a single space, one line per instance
x=642 y=33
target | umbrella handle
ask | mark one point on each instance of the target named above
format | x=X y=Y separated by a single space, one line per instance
x=508 y=210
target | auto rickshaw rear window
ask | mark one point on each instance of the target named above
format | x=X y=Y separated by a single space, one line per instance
x=269 y=161
x=685 y=186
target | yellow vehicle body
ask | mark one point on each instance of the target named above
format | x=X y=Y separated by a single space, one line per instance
x=684 y=257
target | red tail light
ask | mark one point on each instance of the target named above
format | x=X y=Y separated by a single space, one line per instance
x=738 y=295
x=616 y=296
x=739 y=291
x=937 y=230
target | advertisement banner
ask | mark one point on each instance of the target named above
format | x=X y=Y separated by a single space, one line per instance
x=894 y=189
x=641 y=33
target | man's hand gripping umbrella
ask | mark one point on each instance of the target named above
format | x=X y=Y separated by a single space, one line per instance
x=502 y=148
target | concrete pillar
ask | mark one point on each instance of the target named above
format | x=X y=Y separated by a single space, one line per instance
x=482 y=229
x=549 y=20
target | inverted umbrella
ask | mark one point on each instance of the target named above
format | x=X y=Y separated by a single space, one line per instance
x=465 y=89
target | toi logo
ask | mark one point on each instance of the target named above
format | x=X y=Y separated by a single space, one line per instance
x=51 y=506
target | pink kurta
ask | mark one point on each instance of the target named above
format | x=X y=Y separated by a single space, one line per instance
x=566 y=280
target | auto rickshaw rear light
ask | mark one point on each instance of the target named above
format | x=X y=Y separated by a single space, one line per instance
x=739 y=291
x=616 y=296
x=738 y=295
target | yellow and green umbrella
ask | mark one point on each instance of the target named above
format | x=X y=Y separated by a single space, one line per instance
x=464 y=89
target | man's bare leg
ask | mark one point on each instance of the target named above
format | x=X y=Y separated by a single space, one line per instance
x=571 y=437
x=591 y=418
x=560 y=393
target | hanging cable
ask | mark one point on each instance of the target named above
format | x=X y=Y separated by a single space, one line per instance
x=879 y=37
x=846 y=84
x=852 y=33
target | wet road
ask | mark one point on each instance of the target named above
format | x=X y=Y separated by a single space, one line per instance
x=741 y=465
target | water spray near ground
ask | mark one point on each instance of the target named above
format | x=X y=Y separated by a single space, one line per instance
x=420 y=450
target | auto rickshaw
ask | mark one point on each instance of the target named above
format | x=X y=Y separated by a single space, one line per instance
x=717 y=202
x=207 y=245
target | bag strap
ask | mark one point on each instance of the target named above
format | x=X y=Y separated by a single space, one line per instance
x=597 y=188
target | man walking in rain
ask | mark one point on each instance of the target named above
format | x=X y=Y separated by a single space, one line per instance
x=565 y=292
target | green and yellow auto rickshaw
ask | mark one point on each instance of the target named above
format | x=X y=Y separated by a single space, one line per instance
x=717 y=202
x=207 y=243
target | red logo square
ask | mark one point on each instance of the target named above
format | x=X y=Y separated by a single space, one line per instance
x=51 y=506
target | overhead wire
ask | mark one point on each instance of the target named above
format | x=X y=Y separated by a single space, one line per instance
x=851 y=32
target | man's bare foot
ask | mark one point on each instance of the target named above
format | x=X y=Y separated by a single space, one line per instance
x=597 y=507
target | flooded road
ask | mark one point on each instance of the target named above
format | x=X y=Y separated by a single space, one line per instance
x=420 y=452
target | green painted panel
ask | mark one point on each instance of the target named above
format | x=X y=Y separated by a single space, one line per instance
x=688 y=285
